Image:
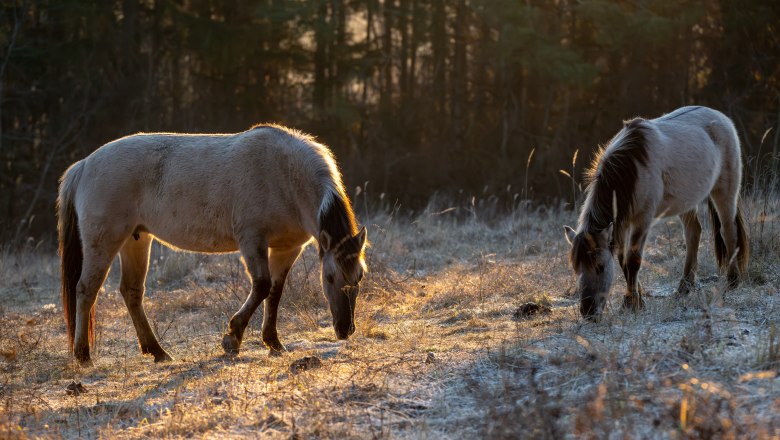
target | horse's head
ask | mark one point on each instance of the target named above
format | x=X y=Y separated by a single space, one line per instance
x=591 y=259
x=343 y=266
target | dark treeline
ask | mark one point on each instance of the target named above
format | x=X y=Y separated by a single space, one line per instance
x=413 y=96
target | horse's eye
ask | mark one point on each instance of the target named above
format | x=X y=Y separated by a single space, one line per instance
x=329 y=279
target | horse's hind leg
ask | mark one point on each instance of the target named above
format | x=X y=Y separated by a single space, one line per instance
x=99 y=251
x=692 y=228
x=255 y=253
x=725 y=202
x=280 y=261
x=134 y=257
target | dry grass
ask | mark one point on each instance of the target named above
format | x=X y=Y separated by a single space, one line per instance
x=438 y=352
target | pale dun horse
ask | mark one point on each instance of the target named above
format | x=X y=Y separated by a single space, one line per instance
x=653 y=169
x=266 y=192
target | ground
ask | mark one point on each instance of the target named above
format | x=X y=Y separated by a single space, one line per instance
x=442 y=348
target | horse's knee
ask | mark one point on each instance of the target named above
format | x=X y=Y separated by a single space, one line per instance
x=633 y=263
x=86 y=292
x=133 y=295
x=261 y=286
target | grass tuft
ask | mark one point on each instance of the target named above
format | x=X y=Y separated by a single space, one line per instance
x=438 y=351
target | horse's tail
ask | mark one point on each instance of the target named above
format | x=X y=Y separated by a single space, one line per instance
x=743 y=243
x=71 y=257
x=721 y=254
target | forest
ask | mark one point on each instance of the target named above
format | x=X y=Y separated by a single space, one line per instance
x=464 y=130
x=416 y=98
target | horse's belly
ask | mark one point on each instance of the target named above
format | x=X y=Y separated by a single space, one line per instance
x=684 y=189
x=195 y=237
x=672 y=208
x=205 y=246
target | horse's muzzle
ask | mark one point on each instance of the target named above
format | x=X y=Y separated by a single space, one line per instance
x=591 y=308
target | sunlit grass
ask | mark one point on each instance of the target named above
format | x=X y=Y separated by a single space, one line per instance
x=439 y=351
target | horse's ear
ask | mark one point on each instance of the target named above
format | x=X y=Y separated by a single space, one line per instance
x=569 y=233
x=324 y=241
x=362 y=237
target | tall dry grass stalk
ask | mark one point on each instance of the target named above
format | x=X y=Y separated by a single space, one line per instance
x=441 y=349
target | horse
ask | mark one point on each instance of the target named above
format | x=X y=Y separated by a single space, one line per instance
x=266 y=192
x=653 y=169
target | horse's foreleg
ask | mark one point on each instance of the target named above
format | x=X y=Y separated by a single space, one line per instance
x=134 y=257
x=280 y=262
x=255 y=255
x=692 y=229
x=620 y=250
x=633 y=297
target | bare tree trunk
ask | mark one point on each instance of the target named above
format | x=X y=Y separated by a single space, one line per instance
x=339 y=44
x=18 y=19
x=366 y=73
x=403 y=27
x=777 y=133
x=459 y=75
x=320 y=56
x=439 y=43
x=413 y=50
x=387 y=51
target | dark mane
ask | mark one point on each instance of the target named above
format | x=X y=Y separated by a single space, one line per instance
x=613 y=174
x=338 y=220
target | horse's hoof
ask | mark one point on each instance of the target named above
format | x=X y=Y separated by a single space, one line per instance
x=82 y=357
x=275 y=347
x=162 y=357
x=230 y=344
x=732 y=281
x=634 y=303
x=275 y=352
x=684 y=288
x=85 y=362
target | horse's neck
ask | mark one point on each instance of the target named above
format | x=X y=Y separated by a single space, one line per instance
x=337 y=220
x=592 y=219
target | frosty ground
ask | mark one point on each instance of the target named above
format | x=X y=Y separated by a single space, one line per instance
x=441 y=349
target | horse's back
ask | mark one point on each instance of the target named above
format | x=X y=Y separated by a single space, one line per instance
x=700 y=125
x=195 y=191
x=692 y=148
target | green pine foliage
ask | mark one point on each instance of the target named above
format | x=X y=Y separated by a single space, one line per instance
x=414 y=96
